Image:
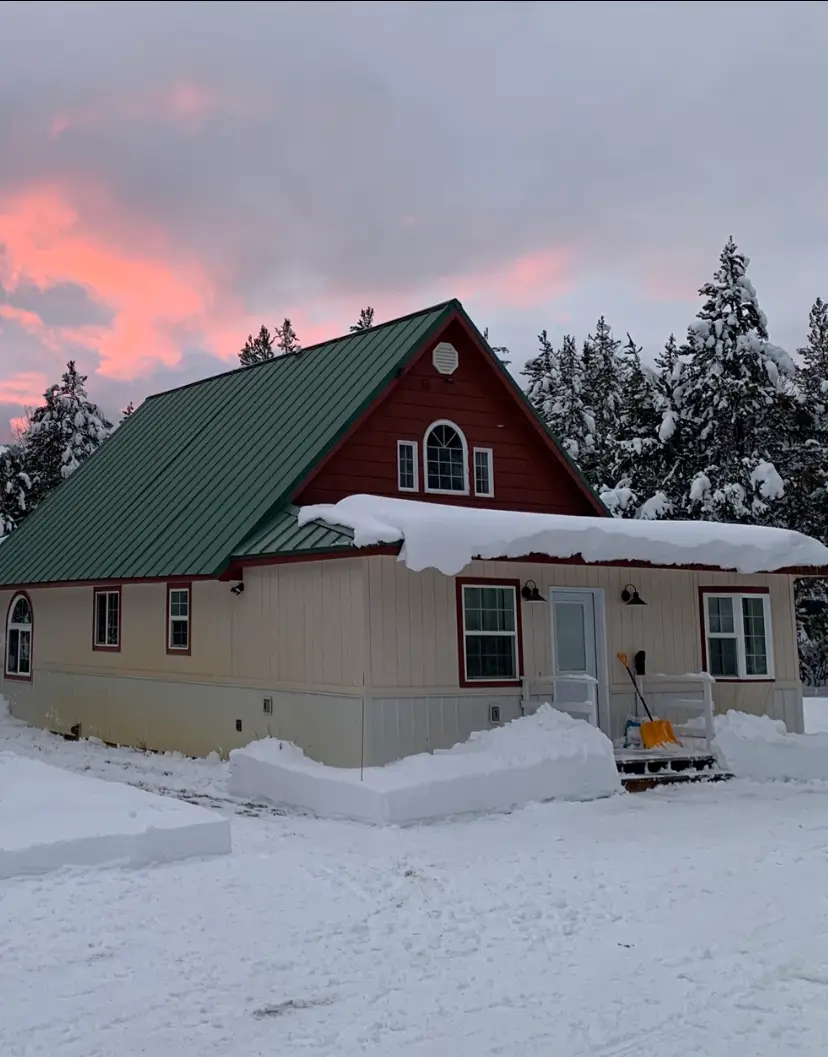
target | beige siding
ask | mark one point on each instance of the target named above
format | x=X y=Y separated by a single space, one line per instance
x=409 y=658
x=298 y=629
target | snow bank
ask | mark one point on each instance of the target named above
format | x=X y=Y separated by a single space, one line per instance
x=760 y=747
x=445 y=537
x=546 y=756
x=50 y=818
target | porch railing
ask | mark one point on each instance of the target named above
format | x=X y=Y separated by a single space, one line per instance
x=584 y=709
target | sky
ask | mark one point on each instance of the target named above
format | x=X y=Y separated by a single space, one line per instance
x=174 y=175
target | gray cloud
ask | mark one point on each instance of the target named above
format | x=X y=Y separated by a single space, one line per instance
x=368 y=149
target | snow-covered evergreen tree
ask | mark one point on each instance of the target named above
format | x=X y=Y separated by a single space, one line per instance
x=602 y=389
x=813 y=376
x=737 y=403
x=15 y=488
x=287 y=340
x=501 y=351
x=128 y=411
x=62 y=433
x=537 y=372
x=258 y=349
x=365 y=321
x=554 y=390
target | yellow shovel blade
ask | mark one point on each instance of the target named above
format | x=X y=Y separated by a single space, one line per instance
x=658 y=732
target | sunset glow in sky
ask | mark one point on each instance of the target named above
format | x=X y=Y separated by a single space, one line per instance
x=226 y=165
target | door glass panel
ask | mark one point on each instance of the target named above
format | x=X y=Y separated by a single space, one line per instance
x=570 y=637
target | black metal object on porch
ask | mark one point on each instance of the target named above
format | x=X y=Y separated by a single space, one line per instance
x=530 y=593
x=631 y=597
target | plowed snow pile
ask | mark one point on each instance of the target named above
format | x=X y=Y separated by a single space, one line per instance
x=761 y=748
x=546 y=756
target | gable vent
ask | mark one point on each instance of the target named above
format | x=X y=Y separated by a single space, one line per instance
x=445 y=358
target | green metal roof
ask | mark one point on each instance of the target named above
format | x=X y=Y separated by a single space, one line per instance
x=281 y=534
x=203 y=472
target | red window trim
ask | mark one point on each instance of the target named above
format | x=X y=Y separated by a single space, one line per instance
x=487 y=581
x=10 y=675
x=180 y=585
x=730 y=589
x=102 y=589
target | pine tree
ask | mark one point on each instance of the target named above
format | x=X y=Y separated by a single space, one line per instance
x=602 y=388
x=128 y=411
x=563 y=408
x=814 y=373
x=258 y=349
x=15 y=487
x=62 y=434
x=537 y=372
x=365 y=321
x=634 y=461
x=287 y=338
x=501 y=351
x=738 y=403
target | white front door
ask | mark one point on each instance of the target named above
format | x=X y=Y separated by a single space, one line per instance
x=576 y=639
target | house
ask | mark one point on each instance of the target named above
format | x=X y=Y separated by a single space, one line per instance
x=170 y=595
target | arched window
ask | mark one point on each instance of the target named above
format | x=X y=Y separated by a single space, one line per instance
x=19 y=639
x=446 y=458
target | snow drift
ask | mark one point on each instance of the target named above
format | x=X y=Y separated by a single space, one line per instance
x=761 y=748
x=50 y=818
x=445 y=537
x=546 y=756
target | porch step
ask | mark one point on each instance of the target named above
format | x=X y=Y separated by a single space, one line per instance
x=641 y=783
x=642 y=772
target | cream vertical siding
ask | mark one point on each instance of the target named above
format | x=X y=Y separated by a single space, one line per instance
x=411 y=660
x=296 y=634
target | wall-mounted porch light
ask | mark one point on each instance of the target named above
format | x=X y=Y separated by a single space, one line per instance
x=530 y=593
x=631 y=597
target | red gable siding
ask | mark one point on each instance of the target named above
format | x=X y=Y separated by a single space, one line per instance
x=527 y=475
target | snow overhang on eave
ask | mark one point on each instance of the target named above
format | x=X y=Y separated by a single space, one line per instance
x=448 y=537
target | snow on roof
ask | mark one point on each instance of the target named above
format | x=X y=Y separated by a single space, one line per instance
x=445 y=537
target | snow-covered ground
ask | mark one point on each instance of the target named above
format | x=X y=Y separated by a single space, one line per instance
x=686 y=921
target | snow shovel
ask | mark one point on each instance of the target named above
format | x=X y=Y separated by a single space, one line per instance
x=655 y=732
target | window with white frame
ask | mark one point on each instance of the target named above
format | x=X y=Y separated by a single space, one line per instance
x=178 y=618
x=490 y=633
x=446 y=459
x=483 y=472
x=737 y=631
x=407 y=476
x=107 y=620
x=19 y=639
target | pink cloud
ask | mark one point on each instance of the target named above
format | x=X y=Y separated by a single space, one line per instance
x=23 y=388
x=526 y=281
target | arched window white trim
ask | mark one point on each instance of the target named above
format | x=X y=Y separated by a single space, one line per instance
x=19 y=638
x=445 y=463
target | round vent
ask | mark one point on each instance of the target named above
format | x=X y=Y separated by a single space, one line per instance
x=445 y=358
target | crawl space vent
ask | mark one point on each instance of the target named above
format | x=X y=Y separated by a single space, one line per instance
x=445 y=358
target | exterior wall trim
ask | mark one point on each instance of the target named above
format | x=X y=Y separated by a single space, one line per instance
x=487 y=581
x=11 y=675
x=107 y=589
x=180 y=585
x=729 y=589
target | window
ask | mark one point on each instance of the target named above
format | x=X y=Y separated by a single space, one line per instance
x=446 y=459
x=19 y=639
x=490 y=632
x=407 y=476
x=179 y=637
x=107 y=617
x=737 y=635
x=483 y=472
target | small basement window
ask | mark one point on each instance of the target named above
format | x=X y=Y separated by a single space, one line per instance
x=107 y=634
x=178 y=618
x=446 y=459
x=19 y=639
x=490 y=633
x=737 y=630
x=407 y=475
x=483 y=472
